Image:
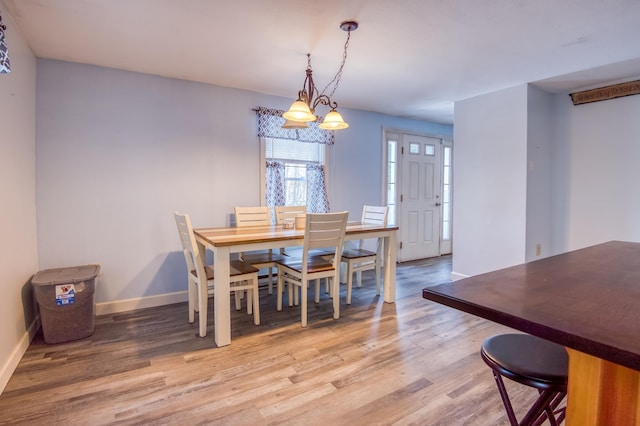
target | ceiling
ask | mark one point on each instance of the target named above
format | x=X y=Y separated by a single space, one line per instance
x=410 y=58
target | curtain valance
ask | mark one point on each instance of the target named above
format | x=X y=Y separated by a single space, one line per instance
x=5 y=67
x=270 y=121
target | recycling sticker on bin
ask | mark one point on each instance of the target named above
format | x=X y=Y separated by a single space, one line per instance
x=65 y=294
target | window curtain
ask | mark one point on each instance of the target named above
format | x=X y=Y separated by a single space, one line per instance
x=269 y=126
x=317 y=199
x=5 y=67
x=270 y=123
x=274 y=182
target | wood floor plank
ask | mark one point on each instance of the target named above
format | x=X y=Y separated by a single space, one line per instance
x=413 y=362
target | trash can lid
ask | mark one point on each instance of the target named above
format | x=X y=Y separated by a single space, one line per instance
x=70 y=275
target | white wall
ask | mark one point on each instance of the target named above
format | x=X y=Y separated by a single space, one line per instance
x=118 y=152
x=490 y=182
x=539 y=174
x=598 y=158
x=577 y=168
x=18 y=249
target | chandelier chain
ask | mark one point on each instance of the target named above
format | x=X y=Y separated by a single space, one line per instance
x=338 y=75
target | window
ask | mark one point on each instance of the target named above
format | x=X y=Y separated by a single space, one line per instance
x=430 y=150
x=296 y=157
x=293 y=162
x=392 y=185
x=446 y=193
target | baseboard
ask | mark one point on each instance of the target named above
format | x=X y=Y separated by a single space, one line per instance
x=14 y=359
x=455 y=276
x=140 y=303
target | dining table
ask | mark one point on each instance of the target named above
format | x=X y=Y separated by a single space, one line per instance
x=226 y=241
x=587 y=300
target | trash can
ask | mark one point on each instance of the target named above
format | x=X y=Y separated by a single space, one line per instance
x=66 y=298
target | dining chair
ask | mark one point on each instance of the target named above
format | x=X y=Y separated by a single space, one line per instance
x=531 y=361
x=322 y=231
x=289 y=213
x=242 y=277
x=284 y=213
x=258 y=216
x=360 y=259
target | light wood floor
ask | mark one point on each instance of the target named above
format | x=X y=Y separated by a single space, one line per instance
x=412 y=362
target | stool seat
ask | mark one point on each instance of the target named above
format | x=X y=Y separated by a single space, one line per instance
x=534 y=362
x=527 y=359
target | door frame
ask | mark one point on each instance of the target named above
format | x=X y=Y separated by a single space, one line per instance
x=444 y=141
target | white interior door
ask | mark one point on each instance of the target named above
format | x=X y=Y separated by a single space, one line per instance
x=420 y=197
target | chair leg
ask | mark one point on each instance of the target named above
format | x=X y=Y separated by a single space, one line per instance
x=561 y=412
x=551 y=413
x=378 y=271
x=505 y=399
x=270 y=281
x=279 y=291
x=249 y=299
x=542 y=409
x=359 y=276
x=303 y=303
x=317 y=295
x=349 y=283
x=238 y=297
x=192 y=294
x=335 y=285
x=537 y=411
x=293 y=294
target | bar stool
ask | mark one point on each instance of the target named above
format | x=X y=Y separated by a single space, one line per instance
x=534 y=362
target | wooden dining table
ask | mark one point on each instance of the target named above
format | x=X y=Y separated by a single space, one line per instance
x=587 y=300
x=223 y=242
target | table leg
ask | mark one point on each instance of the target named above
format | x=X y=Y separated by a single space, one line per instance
x=601 y=392
x=222 y=309
x=390 y=257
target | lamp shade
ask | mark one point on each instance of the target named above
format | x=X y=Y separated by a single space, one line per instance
x=288 y=124
x=299 y=111
x=333 y=121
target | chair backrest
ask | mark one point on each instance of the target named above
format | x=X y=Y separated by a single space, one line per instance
x=189 y=246
x=252 y=216
x=324 y=230
x=289 y=212
x=375 y=215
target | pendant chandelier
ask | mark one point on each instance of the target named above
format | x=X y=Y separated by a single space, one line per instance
x=303 y=109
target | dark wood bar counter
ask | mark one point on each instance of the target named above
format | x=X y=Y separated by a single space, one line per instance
x=587 y=300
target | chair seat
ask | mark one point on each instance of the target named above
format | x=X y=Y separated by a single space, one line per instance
x=527 y=359
x=357 y=253
x=237 y=267
x=314 y=264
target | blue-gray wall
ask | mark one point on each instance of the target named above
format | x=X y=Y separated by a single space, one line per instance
x=118 y=152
